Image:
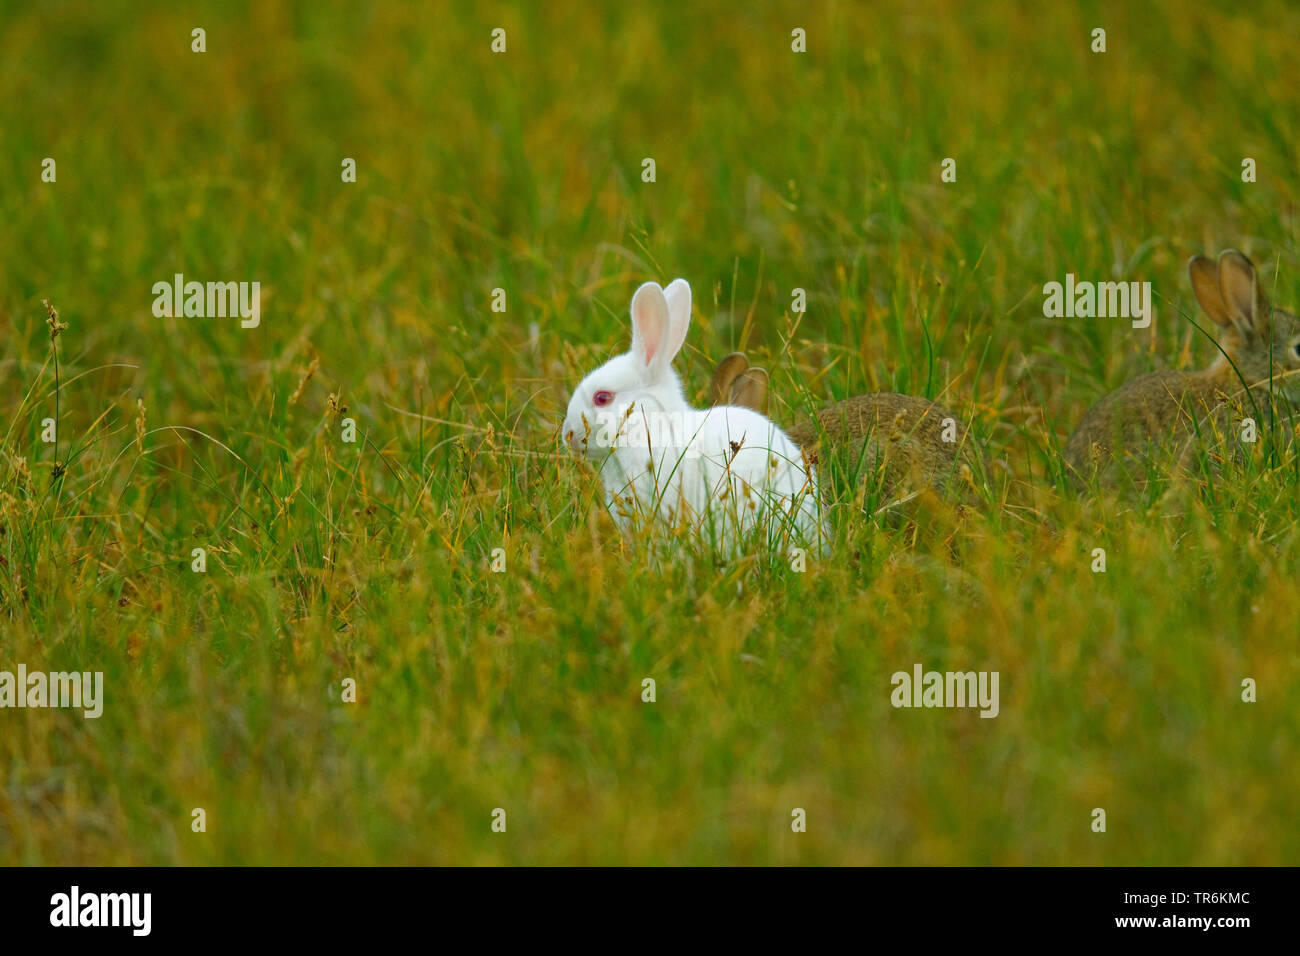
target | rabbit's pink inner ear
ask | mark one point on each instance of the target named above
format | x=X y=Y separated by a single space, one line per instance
x=649 y=322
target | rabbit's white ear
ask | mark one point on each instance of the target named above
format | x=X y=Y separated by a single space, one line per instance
x=1239 y=286
x=651 y=327
x=678 y=294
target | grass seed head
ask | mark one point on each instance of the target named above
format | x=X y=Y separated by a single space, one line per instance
x=52 y=320
x=306 y=377
x=139 y=425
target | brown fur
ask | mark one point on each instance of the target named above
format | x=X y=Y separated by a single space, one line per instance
x=899 y=434
x=1164 y=410
x=736 y=382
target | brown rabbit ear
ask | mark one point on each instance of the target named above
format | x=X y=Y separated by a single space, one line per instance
x=724 y=375
x=1246 y=301
x=1205 y=283
x=750 y=389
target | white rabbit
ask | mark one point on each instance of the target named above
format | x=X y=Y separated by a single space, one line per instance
x=725 y=471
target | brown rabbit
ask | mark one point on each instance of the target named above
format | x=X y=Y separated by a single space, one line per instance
x=915 y=442
x=736 y=382
x=1261 y=352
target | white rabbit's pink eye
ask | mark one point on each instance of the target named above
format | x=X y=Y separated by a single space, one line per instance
x=602 y=399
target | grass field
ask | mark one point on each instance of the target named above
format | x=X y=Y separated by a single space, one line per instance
x=330 y=560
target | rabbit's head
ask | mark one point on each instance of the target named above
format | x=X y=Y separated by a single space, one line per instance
x=1263 y=342
x=640 y=382
x=736 y=382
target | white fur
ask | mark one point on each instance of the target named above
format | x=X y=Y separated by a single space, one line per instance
x=724 y=470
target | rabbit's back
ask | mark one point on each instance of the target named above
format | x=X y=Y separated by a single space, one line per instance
x=736 y=469
x=749 y=446
x=1153 y=411
x=909 y=439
